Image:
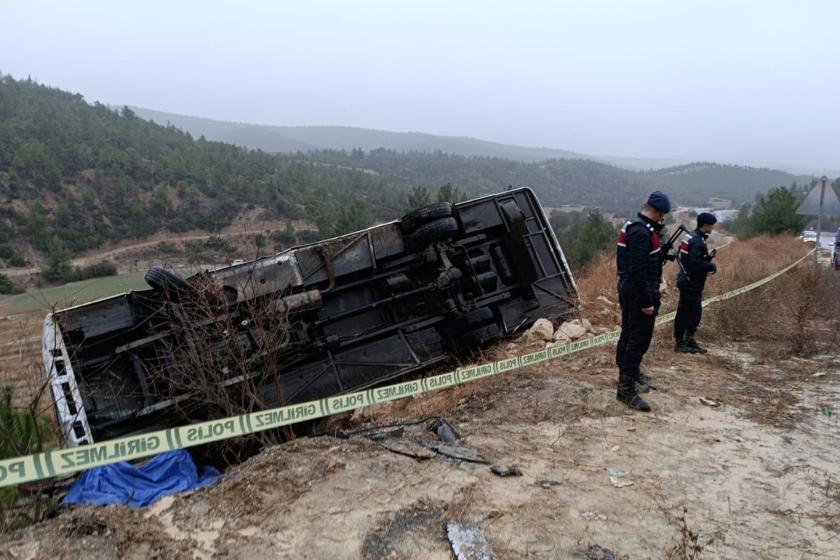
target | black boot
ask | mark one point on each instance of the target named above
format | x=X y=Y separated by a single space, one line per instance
x=692 y=343
x=643 y=383
x=683 y=347
x=627 y=392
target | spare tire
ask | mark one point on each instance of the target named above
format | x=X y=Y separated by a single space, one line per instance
x=431 y=232
x=425 y=214
x=166 y=282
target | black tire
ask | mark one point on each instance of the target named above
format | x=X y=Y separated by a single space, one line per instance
x=165 y=282
x=425 y=214
x=481 y=336
x=472 y=320
x=431 y=232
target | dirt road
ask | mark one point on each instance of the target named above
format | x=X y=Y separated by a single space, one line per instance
x=114 y=253
x=753 y=478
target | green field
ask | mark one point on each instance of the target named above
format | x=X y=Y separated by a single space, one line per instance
x=76 y=293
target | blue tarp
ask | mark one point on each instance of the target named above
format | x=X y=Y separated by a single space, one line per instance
x=122 y=483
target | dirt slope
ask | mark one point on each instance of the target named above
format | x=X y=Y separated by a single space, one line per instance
x=753 y=478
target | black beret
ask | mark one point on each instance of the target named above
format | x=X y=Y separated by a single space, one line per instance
x=705 y=218
x=658 y=200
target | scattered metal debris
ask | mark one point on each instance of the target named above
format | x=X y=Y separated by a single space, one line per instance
x=459 y=453
x=387 y=433
x=709 y=402
x=468 y=542
x=512 y=470
x=445 y=431
x=617 y=478
x=598 y=552
x=409 y=439
x=546 y=483
x=408 y=448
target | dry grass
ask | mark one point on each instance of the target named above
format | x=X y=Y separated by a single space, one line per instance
x=598 y=294
x=739 y=263
x=797 y=313
x=743 y=262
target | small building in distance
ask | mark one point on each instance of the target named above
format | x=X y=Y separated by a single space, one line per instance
x=720 y=203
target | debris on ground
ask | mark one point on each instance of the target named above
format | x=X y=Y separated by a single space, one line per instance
x=409 y=448
x=468 y=542
x=598 y=552
x=709 y=402
x=617 y=478
x=499 y=470
x=459 y=453
x=344 y=496
x=445 y=431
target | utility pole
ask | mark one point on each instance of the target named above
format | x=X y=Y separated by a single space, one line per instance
x=823 y=180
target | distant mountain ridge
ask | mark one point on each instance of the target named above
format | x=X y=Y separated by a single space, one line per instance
x=292 y=139
x=478 y=166
x=563 y=181
x=286 y=139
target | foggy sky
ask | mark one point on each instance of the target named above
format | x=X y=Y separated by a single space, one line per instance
x=727 y=81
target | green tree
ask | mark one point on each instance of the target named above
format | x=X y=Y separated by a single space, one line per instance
x=340 y=215
x=419 y=196
x=774 y=213
x=450 y=193
x=7 y=286
x=285 y=237
x=582 y=235
x=57 y=265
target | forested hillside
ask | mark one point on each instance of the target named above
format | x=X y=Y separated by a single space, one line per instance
x=566 y=181
x=75 y=175
x=557 y=182
x=84 y=174
x=736 y=182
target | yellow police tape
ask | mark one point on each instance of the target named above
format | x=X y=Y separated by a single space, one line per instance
x=62 y=462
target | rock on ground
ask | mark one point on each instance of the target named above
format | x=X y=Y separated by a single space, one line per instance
x=542 y=330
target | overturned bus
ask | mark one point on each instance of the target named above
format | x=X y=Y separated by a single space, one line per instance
x=316 y=320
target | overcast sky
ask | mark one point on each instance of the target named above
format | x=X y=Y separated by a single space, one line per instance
x=727 y=81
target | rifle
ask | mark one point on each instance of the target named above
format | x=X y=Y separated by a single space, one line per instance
x=668 y=253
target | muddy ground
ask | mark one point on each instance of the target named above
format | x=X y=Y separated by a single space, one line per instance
x=756 y=477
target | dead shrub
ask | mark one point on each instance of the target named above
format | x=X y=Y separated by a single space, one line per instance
x=225 y=360
x=798 y=313
x=689 y=546
x=600 y=280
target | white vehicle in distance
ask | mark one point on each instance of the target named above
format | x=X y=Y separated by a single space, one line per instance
x=809 y=236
